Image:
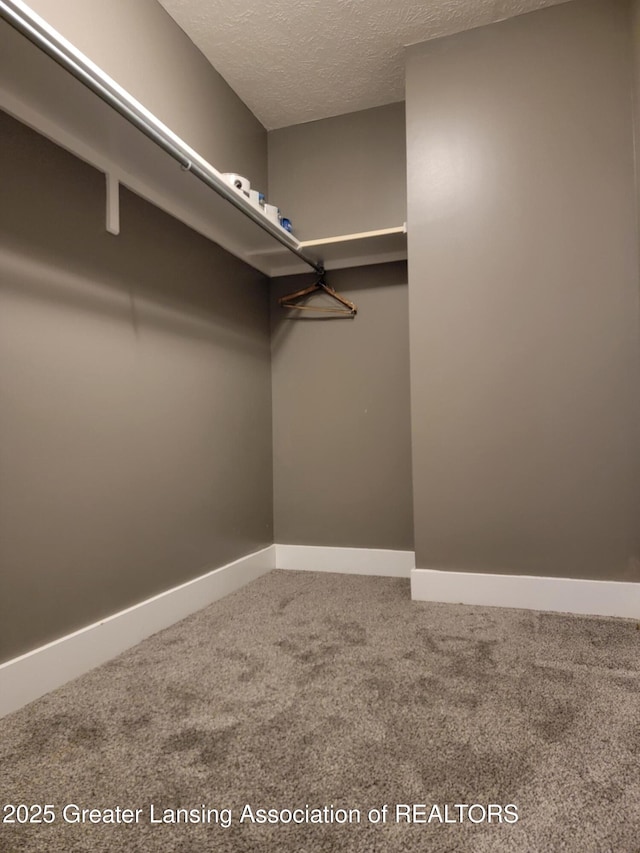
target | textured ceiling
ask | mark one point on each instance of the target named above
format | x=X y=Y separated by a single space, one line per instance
x=293 y=61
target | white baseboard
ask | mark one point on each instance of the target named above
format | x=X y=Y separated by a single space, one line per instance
x=31 y=675
x=562 y=595
x=354 y=561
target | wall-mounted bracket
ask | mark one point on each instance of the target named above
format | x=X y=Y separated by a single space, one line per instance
x=113 y=204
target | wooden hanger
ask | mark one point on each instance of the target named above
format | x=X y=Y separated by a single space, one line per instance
x=348 y=309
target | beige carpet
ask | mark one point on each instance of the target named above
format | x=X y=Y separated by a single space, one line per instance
x=331 y=690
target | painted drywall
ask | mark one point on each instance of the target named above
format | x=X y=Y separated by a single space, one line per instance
x=634 y=19
x=634 y=15
x=341 y=175
x=146 y=52
x=135 y=399
x=523 y=296
x=341 y=425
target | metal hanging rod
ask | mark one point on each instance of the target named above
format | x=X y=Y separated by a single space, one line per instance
x=23 y=19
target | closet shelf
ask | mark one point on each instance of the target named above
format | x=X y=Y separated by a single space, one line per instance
x=40 y=93
x=83 y=110
x=346 y=250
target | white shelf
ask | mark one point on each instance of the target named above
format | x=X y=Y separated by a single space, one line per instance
x=39 y=93
x=346 y=250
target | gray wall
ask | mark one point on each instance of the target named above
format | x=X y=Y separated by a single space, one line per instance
x=342 y=442
x=635 y=37
x=138 y=44
x=523 y=296
x=341 y=175
x=341 y=419
x=135 y=416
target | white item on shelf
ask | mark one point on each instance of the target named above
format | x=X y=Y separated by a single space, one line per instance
x=237 y=182
x=257 y=199
x=272 y=213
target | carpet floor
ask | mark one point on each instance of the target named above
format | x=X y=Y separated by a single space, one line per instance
x=337 y=692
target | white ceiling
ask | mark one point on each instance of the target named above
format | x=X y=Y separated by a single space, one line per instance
x=293 y=61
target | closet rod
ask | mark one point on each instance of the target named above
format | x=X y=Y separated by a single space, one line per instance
x=23 y=19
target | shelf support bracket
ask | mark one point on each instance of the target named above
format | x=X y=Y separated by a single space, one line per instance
x=113 y=203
